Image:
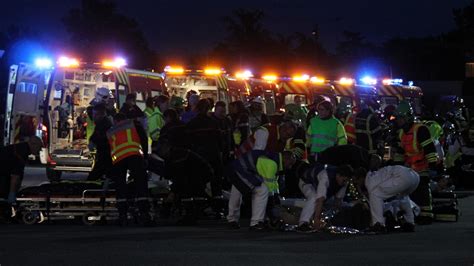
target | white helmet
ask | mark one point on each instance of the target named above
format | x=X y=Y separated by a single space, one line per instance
x=102 y=94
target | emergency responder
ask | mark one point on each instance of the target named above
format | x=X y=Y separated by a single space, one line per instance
x=102 y=96
x=319 y=183
x=347 y=117
x=368 y=129
x=205 y=140
x=296 y=111
x=190 y=111
x=90 y=125
x=154 y=113
x=385 y=183
x=177 y=103
x=130 y=108
x=127 y=155
x=174 y=130
x=255 y=174
x=419 y=153
x=14 y=158
x=189 y=173
x=240 y=123
x=325 y=130
x=102 y=160
x=312 y=111
x=257 y=117
x=225 y=126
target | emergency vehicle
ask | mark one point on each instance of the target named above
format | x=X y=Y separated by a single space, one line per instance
x=392 y=91
x=351 y=94
x=50 y=101
x=211 y=83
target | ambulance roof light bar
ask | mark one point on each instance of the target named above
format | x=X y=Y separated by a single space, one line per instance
x=368 y=80
x=301 y=78
x=118 y=62
x=270 y=77
x=212 y=71
x=392 y=81
x=245 y=75
x=64 y=61
x=346 y=81
x=174 y=70
x=43 y=63
x=317 y=80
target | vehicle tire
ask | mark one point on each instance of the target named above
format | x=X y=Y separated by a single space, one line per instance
x=30 y=217
x=87 y=221
x=53 y=175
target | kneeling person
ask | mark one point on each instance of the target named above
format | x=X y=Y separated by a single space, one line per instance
x=318 y=183
x=388 y=182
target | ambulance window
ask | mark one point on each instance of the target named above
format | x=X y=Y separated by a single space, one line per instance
x=26 y=87
x=290 y=98
x=69 y=75
x=88 y=76
x=155 y=93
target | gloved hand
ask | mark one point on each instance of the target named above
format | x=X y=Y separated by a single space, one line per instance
x=11 y=198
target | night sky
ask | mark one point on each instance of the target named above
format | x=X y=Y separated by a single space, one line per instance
x=177 y=26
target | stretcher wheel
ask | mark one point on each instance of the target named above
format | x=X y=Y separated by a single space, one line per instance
x=89 y=218
x=30 y=217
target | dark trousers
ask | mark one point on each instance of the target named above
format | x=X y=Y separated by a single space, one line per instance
x=422 y=197
x=136 y=165
x=101 y=168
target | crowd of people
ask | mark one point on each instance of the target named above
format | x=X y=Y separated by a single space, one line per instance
x=313 y=152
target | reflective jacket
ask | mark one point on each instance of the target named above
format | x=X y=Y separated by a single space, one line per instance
x=349 y=127
x=368 y=130
x=415 y=156
x=89 y=128
x=325 y=133
x=154 y=122
x=124 y=141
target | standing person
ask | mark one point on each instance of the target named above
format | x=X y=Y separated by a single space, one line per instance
x=419 y=153
x=127 y=155
x=154 y=119
x=240 y=122
x=206 y=140
x=190 y=112
x=174 y=130
x=225 y=126
x=319 y=183
x=297 y=111
x=388 y=182
x=98 y=139
x=255 y=174
x=133 y=112
x=257 y=117
x=14 y=158
x=325 y=130
x=368 y=129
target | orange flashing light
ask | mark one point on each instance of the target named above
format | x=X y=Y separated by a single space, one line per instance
x=212 y=71
x=346 y=81
x=270 y=78
x=317 y=80
x=64 y=61
x=302 y=78
x=174 y=70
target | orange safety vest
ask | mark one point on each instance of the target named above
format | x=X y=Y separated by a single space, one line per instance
x=349 y=126
x=414 y=154
x=124 y=141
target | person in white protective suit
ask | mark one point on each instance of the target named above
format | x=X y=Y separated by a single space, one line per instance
x=388 y=182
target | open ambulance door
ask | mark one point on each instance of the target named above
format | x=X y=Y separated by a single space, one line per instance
x=25 y=98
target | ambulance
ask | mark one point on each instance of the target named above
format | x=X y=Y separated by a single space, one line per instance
x=392 y=91
x=352 y=94
x=50 y=100
x=211 y=83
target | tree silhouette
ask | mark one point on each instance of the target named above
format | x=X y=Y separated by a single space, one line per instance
x=98 y=31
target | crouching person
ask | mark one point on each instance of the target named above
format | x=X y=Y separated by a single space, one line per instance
x=255 y=174
x=388 y=182
x=318 y=183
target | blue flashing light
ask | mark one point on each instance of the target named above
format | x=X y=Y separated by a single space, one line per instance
x=410 y=83
x=367 y=80
x=43 y=63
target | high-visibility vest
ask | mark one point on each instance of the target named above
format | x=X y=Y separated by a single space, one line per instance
x=364 y=132
x=258 y=167
x=154 y=122
x=350 y=128
x=89 y=128
x=414 y=155
x=325 y=134
x=124 y=141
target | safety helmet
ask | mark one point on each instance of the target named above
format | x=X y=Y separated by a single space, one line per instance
x=103 y=94
x=404 y=109
x=176 y=102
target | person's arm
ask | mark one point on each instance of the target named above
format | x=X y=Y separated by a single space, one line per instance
x=426 y=142
x=341 y=134
x=261 y=138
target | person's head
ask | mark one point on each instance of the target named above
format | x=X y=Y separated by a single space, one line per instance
x=257 y=104
x=289 y=159
x=343 y=174
x=162 y=102
x=99 y=111
x=404 y=114
x=189 y=93
x=193 y=101
x=298 y=100
x=325 y=109
x=102 y=94
x=150 y=102
x=131 y=99
x=170 y=115
x=211 y=103
x=35 y=144
x=219 y=109
x=375 y=162
x=202 y=107
x=359 y=176
x=287 y=130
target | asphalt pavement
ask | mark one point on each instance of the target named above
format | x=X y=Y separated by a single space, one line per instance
x=211 y=243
